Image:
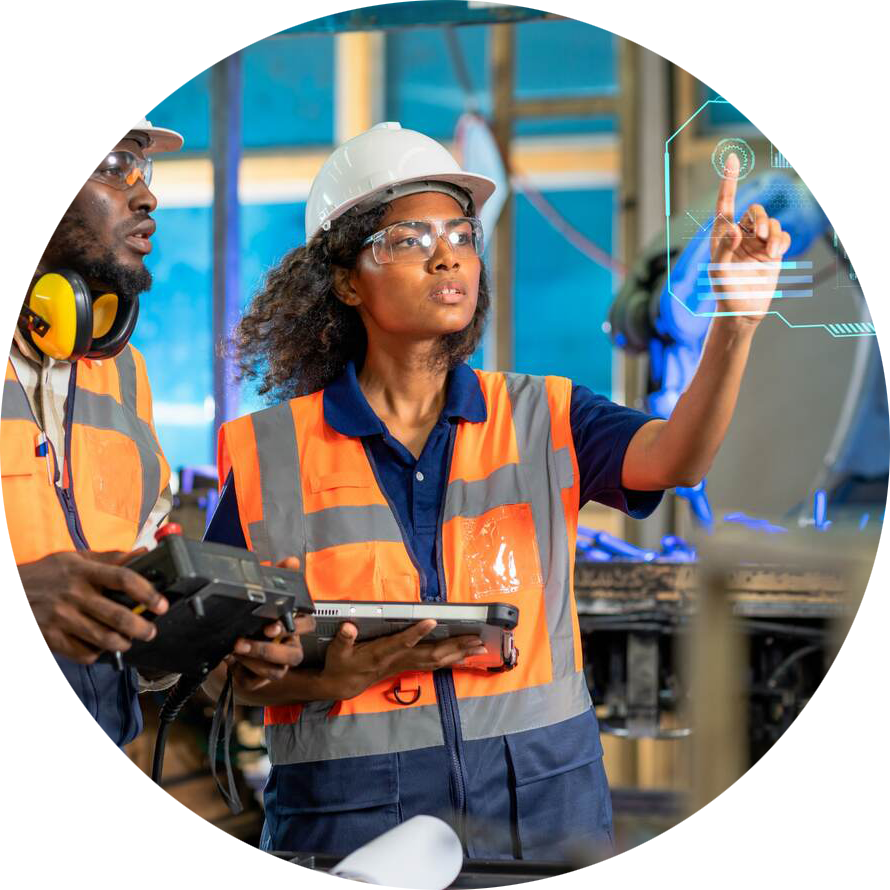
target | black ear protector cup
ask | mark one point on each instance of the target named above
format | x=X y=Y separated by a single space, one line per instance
x=64 y=320
x=108 y=343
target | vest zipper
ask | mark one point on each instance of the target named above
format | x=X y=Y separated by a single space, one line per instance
x=442 y=679
x=66 y=494
x=74 y=528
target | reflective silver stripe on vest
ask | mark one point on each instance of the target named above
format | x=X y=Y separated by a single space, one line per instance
x=282 y=531
x=103 y=412
x=524 y=709
x=351 y=525
x=333 y=527
x=284 y=525
x=544 y=478
x=143 y=435
x=315 y=736
x=15 y=402
x=12 y=641
x=470 y=499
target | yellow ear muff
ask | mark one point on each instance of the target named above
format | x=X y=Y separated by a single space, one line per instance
x=63 y=300
x=104 y=314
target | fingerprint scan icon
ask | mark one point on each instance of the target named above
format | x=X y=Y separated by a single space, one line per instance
x=724 y=148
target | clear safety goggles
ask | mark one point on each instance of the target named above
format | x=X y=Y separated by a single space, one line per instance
x=122 y=170
x=415 y=241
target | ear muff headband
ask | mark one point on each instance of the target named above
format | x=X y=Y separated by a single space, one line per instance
x=64 y=301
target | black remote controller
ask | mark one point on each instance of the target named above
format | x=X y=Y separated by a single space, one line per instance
x=216 y=593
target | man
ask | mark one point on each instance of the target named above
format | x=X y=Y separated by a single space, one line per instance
x=85 y=482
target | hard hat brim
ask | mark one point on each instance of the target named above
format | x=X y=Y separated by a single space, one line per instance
x=160 y=139
x=479 y=188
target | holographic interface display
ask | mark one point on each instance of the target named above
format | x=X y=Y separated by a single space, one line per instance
x=827 y=181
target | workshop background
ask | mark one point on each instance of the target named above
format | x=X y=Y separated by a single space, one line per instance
x=578 y=123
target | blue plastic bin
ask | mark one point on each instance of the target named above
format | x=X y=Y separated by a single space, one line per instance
x=801 y=866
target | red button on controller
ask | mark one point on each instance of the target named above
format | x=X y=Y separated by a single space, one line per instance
x=171 y=528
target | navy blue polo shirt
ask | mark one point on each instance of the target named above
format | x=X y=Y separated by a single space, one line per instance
x=522 y=790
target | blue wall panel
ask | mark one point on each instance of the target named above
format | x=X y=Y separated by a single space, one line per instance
x=289 y=92
x=567 y=58
x=268 y=232
x=562 y=298
x=174 y=332
x=553 y=58
x=423 y=92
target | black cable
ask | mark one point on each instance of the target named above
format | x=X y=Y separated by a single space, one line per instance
x=185 y=688
x=775 y=628
x=221 y=731
x=793 y=658
x=154 y=799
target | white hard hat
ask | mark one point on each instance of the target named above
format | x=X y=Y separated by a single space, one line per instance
x=55 y=91
x=384 y=163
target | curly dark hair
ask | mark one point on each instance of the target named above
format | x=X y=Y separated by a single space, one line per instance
x=297 y=336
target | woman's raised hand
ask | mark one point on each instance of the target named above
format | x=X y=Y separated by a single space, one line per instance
x=746 y=257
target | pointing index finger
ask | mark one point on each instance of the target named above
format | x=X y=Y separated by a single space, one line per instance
x=726 y=194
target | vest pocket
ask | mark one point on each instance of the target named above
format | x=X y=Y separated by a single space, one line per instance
x=562 y=799
x=344 y=572
x=116 y=472
x=332 y=806
x=496 y=554
x=18 y=455
x=19 y=673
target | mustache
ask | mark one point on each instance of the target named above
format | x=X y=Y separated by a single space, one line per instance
x=137 y=219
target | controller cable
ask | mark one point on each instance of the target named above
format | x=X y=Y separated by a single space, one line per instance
x=223 y=718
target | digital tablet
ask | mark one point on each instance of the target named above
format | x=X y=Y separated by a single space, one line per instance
x=493 y=623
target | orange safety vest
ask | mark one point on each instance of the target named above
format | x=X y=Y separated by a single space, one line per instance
x=507 y=534
x=113 y=471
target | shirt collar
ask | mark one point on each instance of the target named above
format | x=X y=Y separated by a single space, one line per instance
x=347 y=410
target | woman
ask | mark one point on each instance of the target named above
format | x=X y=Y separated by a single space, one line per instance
x=395 y=472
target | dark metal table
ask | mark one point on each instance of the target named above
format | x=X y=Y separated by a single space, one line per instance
x=669 y=589
x=631 y=614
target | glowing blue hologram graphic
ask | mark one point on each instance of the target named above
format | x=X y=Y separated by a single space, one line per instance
x=737 y=146
x=838 y=186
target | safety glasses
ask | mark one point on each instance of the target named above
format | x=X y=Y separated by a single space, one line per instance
x=415 y=241
x=122 y=170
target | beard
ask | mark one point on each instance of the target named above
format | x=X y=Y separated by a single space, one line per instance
x=75 y=245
